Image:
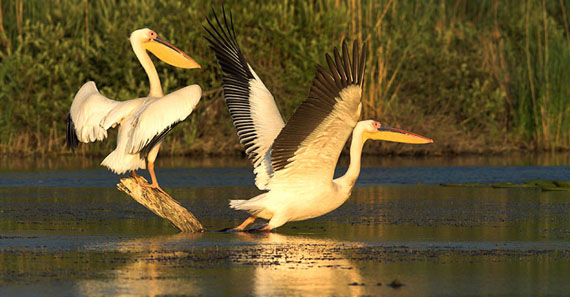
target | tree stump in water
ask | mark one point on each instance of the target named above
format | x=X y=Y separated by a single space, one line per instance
x=161 y=204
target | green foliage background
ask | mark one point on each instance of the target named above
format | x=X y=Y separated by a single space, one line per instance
x=477 y=76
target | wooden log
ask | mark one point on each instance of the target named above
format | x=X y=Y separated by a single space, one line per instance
x=160 y=203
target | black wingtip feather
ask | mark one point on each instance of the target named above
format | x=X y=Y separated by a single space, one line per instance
x=355 y=61
x=334 y=71
x=323 y=96
x=72 y=142
x=236 y=77
x=156 y=140
x=340 y=67
x=347 y=63
x=362 y=64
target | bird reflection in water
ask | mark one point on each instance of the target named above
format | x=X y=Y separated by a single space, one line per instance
x=264 y=264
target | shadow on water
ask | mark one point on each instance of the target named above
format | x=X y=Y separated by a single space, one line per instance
x=68 y=232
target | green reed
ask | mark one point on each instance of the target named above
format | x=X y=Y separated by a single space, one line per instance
x=475 y=75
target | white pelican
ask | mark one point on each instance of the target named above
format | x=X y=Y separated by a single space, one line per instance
x=144 y=122
x=295 y=162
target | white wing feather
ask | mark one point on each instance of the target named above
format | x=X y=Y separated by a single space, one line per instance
x=267 y=123
x=157 y=115
x=121 y=111
x=89 y=107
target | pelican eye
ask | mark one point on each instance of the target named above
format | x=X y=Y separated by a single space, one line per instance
x=376 y=125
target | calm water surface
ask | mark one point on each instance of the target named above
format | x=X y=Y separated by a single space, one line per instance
x=66 y=231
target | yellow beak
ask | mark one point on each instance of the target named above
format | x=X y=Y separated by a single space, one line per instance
x=170 y=54
x=396 y=135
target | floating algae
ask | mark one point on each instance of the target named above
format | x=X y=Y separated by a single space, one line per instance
x=562 y=183
x=511 y=185
x=540 y=182
x=544 y=188
x=549 y=185
x=543 y=184
x=466 y=185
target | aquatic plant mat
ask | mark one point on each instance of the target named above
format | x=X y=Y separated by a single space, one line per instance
x=542 y=184
x=161 y=204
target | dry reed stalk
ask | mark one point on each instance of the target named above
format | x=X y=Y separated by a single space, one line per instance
x=529 y=69
x=352 y=8
x=1 y=20
x=359 y=9
x=9 y=144
x=563 y=8
x=546 y=101
x=544 y=122
x=376 y=84
x=21 y=144
x=87 y=24
x=284 y=14
x=557 y=140
x=20 y=17
x=565 y=22
x=5 y=39
x=368 y=96
x=37 y=134
x=382 y=15
x=388 y=104
x=50 y=139
x=172 y=146
x=57 y=140
x=368 y=17
x=398 y=67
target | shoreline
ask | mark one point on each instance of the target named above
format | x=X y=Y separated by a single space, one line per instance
x=447 y=152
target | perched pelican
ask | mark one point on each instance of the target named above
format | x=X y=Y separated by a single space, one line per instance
x=144 y=122
x=295 y=162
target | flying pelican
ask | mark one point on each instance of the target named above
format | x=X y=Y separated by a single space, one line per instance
x=143 y=122
x=295 y=162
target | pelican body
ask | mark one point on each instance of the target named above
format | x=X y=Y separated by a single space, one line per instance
x=143 y=122
x=295 y=162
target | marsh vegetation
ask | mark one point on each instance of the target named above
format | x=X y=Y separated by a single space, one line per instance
x=477 y=76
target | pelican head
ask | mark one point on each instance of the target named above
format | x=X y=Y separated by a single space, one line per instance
x=162 y=49
x=375 y=130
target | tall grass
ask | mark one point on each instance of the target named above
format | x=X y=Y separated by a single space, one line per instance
x=488 y=75
x=544 y=76
x=475 y=75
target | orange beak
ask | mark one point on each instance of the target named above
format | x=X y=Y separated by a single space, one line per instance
x=170 y=54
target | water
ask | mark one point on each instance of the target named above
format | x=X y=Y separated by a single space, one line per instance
x=66 y=231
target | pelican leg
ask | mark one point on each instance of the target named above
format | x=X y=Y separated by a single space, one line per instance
x=245 y=223
x=137 y=178
x=154 y=184
x=151 y=157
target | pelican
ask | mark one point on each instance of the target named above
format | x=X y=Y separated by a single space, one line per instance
x=143 y=122
x=295 y=163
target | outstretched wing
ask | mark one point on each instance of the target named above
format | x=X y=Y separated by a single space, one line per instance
x=157 y=117
x=307 y=149
x=89 y=107
x=252 y=107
